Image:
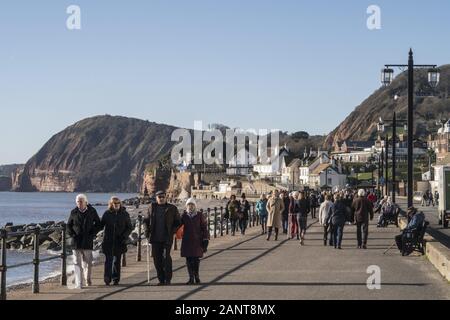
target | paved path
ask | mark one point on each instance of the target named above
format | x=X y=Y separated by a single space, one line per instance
x=249 y=267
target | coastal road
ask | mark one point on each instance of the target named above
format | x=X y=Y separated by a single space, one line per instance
x=249 y=267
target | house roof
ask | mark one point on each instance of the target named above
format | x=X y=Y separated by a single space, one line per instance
x=359 y=144
x=321 y=167
x=295 y=163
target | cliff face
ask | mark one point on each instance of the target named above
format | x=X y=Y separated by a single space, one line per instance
x=5 y=184
x=99 y=154
x=361 y=124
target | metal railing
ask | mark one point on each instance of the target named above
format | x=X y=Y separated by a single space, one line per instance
x=35 y=232
x=218 y=226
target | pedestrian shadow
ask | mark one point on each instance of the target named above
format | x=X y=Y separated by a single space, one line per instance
x=142 y=283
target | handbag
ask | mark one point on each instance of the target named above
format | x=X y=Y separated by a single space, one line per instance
x=180 y=233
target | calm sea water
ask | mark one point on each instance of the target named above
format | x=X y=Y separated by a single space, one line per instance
x=23 y=208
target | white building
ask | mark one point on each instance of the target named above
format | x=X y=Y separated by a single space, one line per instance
x=327 y=175
x=275 y=168
x=308 y=167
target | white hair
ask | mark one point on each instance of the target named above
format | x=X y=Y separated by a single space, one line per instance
x=82 y=197
x=361 y=193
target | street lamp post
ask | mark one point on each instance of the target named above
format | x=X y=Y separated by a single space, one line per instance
x=433 y=80
x=381 y=128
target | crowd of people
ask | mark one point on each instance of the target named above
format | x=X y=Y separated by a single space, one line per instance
x=279 y=211
x=290 y=211
x=429 y=199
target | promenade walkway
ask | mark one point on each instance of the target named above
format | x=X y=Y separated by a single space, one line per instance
x=249 y=267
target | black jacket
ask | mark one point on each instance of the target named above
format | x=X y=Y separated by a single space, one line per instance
x=83 y=227
x=303 y=207
x=117 y=226
x=244 y=208
x=173 y=221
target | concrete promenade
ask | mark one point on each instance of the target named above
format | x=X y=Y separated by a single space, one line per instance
x=249 y=267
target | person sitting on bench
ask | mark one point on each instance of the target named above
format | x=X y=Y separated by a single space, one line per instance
x=416 y=220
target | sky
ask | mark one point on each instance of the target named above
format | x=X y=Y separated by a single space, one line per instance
x=289 y=65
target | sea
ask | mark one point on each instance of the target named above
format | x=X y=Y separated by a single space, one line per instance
x=23 y=208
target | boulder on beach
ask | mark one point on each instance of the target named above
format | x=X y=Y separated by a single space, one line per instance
x=55 y=236
x=14 y=245
x=51 y=245
x=13 y=228
x=26 y=241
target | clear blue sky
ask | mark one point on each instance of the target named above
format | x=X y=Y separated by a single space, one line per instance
x=291 y=65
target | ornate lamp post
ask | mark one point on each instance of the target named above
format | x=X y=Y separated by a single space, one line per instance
x=387 y=76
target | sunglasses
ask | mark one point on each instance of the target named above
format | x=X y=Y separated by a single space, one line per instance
x=161 y=197
x=116 y=203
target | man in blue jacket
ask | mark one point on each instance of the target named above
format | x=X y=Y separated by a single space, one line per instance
x=416 y=220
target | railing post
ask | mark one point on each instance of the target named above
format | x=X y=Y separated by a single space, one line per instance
x=3 y=236
x=208 y=212
x=139 y=242
x=35 y=286
x=63 y=256
x=215 y=222
x=124 y=259
x=221 y=221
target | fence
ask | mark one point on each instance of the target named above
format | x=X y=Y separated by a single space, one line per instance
x=5 y=235
x=218 y=226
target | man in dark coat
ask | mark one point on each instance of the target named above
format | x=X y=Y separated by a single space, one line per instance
x=82 y=227
x=363 y=210
x=285 y=213
x=161 y=224
x=314 y=203
x=244 y=216
x=117 y=225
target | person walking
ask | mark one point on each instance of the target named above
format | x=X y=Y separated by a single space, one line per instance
x=347 y=198
x=161 y=224
x=294 y=212
x=275 y=207
x=233 y=207
x=436 y=197
x=82 y=226
x=336 y=217
x=261 y=211
x=314 y=204
x=195 y=240
x=302 y=218
x=323 y=221
x=285 y=214
x=244 y=208
x=363 y=211
x=117 y=227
